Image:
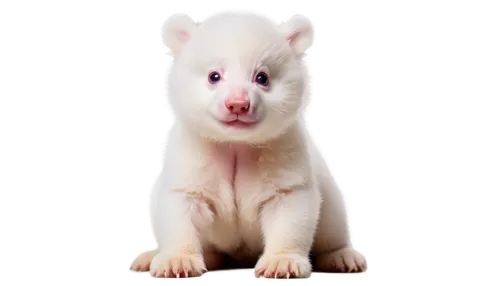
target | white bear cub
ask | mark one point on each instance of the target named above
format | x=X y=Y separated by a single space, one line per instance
x=243 y=183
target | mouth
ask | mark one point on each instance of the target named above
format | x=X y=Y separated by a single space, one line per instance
x=239 y=124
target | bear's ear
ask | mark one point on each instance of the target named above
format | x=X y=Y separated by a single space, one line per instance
x=299 y=33
x=176 y=32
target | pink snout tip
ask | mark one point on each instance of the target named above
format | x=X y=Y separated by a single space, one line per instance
x=237 y=105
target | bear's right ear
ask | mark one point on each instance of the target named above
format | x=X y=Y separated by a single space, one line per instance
x=176 y=32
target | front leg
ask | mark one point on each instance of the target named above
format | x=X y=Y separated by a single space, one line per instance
x=288 y=224
x=179 y=249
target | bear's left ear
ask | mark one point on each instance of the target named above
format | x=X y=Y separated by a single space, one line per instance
x=176 y=32
x=299 y=33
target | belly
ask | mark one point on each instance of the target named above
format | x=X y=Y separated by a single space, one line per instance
x=236 y=229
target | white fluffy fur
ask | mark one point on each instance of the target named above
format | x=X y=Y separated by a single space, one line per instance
x=261 y=195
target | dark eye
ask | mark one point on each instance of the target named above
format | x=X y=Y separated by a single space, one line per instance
x=214 y=77
x=262 y=79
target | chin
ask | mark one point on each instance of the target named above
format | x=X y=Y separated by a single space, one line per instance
x=238 y=131
x=218 y=131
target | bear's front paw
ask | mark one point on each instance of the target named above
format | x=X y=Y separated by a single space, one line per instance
x=180 y=266
x=287 y=265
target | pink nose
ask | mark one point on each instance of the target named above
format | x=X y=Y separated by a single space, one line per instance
x=239 y=103
x=237 y=106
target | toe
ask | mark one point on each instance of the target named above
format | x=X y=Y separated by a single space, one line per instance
x=360 y=262
x=339 y=263
x=294 y=270
x=271 y=269
x=350 y=263
x=176 y=267
x=282 y=268
x=259 y=272
x=186 y=267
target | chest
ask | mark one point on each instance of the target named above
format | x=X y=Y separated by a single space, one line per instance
x=239 y=179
